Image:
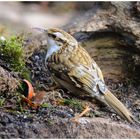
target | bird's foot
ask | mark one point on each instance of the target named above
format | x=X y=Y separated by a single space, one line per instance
x=76 y=118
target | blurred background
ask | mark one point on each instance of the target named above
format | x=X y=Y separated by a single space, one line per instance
x=16 y=16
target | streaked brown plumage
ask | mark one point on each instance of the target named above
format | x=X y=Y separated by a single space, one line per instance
x=73 y=68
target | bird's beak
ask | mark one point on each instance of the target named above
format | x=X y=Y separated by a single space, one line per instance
x=40 y=29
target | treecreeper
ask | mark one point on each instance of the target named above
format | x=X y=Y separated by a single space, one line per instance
x=73 y=68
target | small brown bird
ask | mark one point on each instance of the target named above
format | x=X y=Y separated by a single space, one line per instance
x=74 y=69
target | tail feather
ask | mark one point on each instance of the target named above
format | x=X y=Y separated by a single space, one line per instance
x=118 y=106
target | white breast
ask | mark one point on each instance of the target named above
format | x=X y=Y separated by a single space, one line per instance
x=52 y=47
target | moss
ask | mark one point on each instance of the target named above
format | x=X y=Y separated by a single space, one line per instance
x=19 y=102
x=12 y=53
x=25 y=73
x=75 y=104
x=2 y=101
x=45 y=105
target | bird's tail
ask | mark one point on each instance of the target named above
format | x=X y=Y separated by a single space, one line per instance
x=118 y=106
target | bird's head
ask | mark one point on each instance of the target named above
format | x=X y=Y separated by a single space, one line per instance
x=57 y=39
x=60 y=38
x=56 y=36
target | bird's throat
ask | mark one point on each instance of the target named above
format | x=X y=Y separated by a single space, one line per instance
x=51 y=50
x=52 y=47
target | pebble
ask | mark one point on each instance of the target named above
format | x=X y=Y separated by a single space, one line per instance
x=83 y=121
x=36 y=57
x=25 y=117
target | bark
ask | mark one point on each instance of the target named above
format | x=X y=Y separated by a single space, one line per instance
x=7 y=82
x=110 y=32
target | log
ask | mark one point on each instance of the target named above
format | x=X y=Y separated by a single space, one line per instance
x=110 y=33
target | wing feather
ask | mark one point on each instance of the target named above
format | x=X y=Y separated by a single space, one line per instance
x=79 y=69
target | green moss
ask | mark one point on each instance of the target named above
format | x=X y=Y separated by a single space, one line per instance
x=2 y=101
x=12 y=53
x=45 y=105
x=19 y=100
x=25 y=73
x=75 y=104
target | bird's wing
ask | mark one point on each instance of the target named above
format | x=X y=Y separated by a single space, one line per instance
x=80 y=70
x=87 y=78
x=82 y=57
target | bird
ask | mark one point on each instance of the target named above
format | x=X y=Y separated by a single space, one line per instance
x=73 y=68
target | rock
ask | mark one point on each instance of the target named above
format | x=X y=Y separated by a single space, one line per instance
x=56 y=127
x=7 y=81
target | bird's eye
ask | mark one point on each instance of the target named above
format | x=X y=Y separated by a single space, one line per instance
x=62 y=40
x=52 y=35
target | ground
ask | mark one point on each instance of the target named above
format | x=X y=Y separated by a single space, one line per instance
x=52 y=119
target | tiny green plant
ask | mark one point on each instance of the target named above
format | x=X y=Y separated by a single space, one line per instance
x=11 y=51
x=45 y=105
x=12 y=54
x=2 y=102
x=73 y=103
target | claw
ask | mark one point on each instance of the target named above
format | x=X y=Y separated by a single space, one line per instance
x=76 y=118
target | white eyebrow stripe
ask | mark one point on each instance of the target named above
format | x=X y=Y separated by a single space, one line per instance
x=59 y=35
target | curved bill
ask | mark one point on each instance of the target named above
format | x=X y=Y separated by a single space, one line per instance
x=39 y=29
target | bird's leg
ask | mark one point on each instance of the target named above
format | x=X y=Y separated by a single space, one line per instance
x=76 y=118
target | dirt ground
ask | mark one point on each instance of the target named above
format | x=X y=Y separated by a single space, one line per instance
x=53 y=120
